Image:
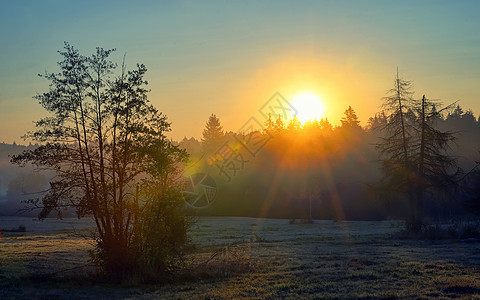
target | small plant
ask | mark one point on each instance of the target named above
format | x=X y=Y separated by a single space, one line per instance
x=231 y=259
x=256 y=238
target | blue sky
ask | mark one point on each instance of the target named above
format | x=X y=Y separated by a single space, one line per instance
x=228 y=57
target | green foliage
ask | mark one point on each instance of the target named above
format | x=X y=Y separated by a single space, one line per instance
x=162 y=233
x=105 y=141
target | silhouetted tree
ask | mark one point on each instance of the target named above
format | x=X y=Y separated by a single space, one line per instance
x=269 y=124
x=435 y=168
x=325 y=126
x=395 y=145
x=456 y=114
x=350 y=120
x=294 y=124
x=414 y=150
x=469 y=117
x=107 y=146
x=192 y=146
x=212 y=134
x=377 y=122
x=279 y=126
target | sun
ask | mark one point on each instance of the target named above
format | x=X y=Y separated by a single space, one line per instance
x=309 y=107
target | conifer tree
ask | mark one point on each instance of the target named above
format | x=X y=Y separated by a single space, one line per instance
x=294 y=124
x=414 y=151
x=269 y=123
x=350 y=120
x=434 y=166
x=395 y=144
x=279 y=126
x=212 y=134
x=325 y=125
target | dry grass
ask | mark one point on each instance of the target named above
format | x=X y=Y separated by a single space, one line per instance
x=266 y=259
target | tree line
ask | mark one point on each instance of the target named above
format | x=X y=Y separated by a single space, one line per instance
x=415 y=159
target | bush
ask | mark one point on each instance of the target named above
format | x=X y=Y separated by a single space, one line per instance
x=161 y=235
x=459 y=230
x=230 y=260
x=157 y=245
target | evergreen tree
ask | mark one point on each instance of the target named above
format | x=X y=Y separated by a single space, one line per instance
x=269 y=123
x=325 y=125
x=456 y=114
x=279 y=126
x=350 y=120
x=294 y=124
x=377 y=122
x=213 y=134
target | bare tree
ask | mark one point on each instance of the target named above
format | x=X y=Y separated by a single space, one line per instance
x=435 y=168
x=414 y=151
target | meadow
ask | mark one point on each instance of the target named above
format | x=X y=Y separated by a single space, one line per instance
x=237 y=257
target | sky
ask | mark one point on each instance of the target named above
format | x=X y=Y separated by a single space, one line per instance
x=230 y=57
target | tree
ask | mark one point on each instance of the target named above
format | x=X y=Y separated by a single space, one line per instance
x=294 y=124
x=269 y=123
x=325 y=126
x=107 y=145
x=279 y=126
x=414 y=158
x=395 y=144
x=457 y=113
x=377 y=122
x=212 y=134
x=350 y=120
x=433 y=164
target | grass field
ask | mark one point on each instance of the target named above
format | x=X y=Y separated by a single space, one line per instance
x=250 y=258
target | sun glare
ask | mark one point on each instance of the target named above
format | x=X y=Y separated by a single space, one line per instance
x=309 y=107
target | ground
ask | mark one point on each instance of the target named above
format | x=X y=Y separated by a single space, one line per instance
x=251 y=258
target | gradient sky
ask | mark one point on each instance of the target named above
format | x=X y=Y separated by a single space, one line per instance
x=228 y=57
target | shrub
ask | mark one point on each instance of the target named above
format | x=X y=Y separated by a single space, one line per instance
x=158 y=241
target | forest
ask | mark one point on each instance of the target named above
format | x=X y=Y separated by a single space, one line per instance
x=326 y=172
x=313 y=170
